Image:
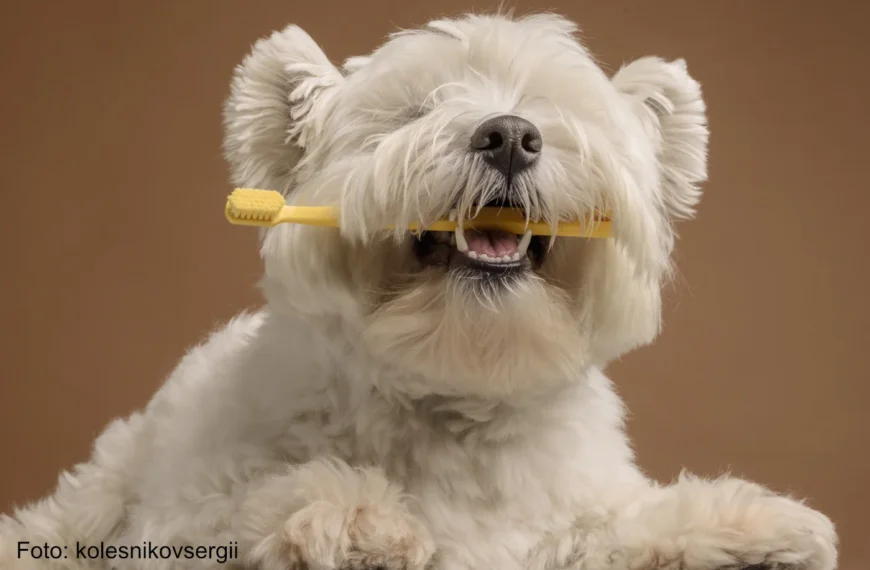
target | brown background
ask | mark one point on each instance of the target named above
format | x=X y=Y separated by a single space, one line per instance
x=114 y=255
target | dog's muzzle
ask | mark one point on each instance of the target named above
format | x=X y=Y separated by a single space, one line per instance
x=510 y=145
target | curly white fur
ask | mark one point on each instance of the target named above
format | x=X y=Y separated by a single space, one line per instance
x=383 y=414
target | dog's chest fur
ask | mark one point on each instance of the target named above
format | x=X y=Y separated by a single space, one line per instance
x=487 y=501
x=490 y=479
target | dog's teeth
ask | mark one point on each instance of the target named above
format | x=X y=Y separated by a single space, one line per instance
x=461 y=244
x=472 y=254
x=506 y=258
x=452 y=215
x=523 y=246
x=452 y=239
x=514 y=257
x=485 y=257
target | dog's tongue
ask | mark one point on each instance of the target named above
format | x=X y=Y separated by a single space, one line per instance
x=494 y=243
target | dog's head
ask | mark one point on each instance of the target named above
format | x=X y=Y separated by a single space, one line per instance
x=476 y=111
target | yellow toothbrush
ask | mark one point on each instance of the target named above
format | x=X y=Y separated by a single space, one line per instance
x=267 y=208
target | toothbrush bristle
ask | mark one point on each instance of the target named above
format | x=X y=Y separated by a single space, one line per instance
x=255 y=205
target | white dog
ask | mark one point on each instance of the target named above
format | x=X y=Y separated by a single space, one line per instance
x=406 y=402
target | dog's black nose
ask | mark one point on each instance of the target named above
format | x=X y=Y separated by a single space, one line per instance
x=510 y=144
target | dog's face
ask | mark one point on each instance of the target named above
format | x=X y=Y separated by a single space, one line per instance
x=478 y=111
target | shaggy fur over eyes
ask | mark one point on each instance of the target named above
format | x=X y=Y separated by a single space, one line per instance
x=433 y=401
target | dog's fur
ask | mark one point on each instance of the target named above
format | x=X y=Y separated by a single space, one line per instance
x=384 y=412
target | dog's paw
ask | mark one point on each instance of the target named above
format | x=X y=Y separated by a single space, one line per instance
x=699 y=525
x=323 y=536
x=786 y=533
x=750 y=527
x=388 y=539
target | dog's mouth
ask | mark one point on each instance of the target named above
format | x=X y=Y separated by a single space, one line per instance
x=490 y=251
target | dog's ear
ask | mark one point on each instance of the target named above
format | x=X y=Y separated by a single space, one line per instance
x=669 y=103
x=279 y=98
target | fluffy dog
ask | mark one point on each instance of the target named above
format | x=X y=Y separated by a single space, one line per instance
x=431 y=401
